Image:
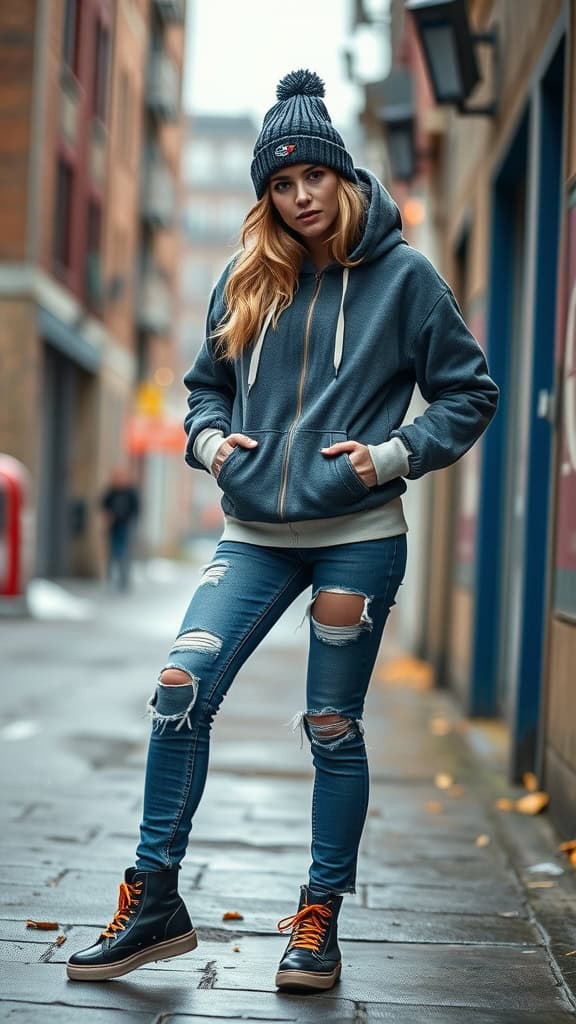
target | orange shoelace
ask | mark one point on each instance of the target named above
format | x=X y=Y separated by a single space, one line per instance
x=127 y=898
x=309 y=926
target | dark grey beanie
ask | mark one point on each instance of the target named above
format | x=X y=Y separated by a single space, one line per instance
x=298 y=130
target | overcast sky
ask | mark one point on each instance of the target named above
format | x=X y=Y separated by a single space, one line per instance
x=237 y=50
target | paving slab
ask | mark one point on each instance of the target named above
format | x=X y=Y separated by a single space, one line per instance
x=31 y=1013
x=24 y=952
x=476 y=899
x=455 y=1015
x=162 y=992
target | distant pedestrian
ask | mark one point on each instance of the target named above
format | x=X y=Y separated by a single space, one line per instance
x=121 y=507
x=318 y=331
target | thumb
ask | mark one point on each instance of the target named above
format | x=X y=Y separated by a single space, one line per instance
x=340 y=446
x=242 y=441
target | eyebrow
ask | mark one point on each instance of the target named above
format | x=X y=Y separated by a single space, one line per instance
x=286 y=177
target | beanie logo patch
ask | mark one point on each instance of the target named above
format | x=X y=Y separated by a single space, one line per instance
x=284 y=150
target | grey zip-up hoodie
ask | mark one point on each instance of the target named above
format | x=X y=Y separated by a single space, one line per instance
x=342 y=364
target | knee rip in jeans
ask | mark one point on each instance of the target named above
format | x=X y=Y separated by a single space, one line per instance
x=199 y=640
x=339 y=635
x=213 y=573
x=180 y=717
x=327 y=728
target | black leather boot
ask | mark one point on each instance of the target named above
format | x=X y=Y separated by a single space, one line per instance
x=151 y=923
x=312 y=958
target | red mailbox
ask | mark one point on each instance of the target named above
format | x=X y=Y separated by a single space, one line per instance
x=14 y=520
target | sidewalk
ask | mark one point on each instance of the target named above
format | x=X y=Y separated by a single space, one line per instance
x=444 y=928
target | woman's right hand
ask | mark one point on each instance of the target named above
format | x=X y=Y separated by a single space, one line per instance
x=228 y=445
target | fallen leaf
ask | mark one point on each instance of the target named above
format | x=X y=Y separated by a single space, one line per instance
x=572 y=858
x=568 y=846
x=235 y=949
x=530 y=782
x=440 y=726
x=232 y=915
x=43 y=926
x=456 y=790
x=60 y=940
x=540 y=885
x=407 y=671
x=443 y=780
x=482 y=840
x=434 y=806
x=571 y=953
x=532 y=803
x=504 y=803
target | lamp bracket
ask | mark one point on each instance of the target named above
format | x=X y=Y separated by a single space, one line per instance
x=489 y=38
x=489 y=110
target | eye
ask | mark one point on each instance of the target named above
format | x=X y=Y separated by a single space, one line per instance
x=316 y=175
x=281 y=186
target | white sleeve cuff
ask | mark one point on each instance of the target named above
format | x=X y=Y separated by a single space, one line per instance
x=206 y=445
x=390 y=460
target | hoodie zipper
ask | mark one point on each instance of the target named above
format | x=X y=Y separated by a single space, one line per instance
x=284 y=477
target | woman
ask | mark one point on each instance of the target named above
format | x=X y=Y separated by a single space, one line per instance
x=317 y=332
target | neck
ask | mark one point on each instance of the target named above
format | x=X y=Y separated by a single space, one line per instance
x=319 y=253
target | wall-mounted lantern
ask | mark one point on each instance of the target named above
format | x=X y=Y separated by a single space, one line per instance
x=395 y=111
x=449 y=51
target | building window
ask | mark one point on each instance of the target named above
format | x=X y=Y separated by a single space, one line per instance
x=235 y=161
x=62 y=214
x=93 y=265
x=197 y=219
x=199 y=162
x=101 y=70
x=70 y=34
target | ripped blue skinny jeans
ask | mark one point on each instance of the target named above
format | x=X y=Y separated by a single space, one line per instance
x=241 y=594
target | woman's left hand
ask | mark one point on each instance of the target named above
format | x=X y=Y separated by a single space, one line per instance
x=359 y=457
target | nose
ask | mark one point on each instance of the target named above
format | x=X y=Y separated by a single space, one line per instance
x=302 y=196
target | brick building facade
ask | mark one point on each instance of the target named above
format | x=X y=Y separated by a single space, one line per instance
x=75 y=89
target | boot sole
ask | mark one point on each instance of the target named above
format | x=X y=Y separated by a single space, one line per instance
x=163 y=951
x=307 y=980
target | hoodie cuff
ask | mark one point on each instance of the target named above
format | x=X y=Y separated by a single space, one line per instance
x=390 y=460
x=206 y=445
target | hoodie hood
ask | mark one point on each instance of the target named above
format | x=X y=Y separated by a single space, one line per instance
x=383 y=228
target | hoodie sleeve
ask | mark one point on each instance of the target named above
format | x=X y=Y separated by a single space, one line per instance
x=211 y=382
x=452 y=375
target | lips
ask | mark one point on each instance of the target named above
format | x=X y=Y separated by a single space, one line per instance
x=309 y=215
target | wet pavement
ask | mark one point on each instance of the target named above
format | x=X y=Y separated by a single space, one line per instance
x=450 y=923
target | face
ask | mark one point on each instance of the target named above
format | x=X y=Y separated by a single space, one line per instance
x=306 y=197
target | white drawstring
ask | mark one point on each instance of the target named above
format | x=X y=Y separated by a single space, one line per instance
x=339 y=339
x=255 y=357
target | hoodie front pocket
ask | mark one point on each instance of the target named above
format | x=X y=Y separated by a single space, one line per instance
x=250 y=477
x=318 y=485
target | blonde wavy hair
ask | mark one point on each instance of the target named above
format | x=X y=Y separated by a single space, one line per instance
x=265 y=274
